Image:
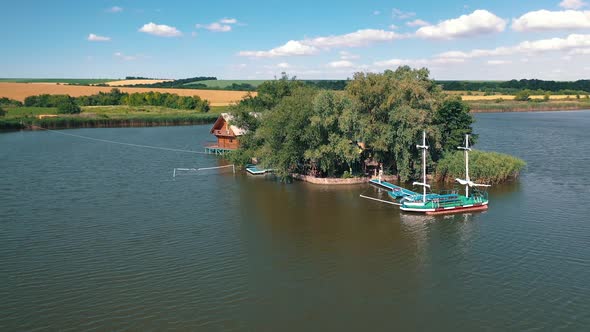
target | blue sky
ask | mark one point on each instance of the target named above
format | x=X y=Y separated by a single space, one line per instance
x=310 y=39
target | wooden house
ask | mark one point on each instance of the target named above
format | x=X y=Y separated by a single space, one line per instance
x=227 y=134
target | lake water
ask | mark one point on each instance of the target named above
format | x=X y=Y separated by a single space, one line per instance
x=98 y=236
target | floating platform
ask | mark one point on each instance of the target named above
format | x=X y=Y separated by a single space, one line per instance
x=395 y=191
x=217 y=150
x=252 y=169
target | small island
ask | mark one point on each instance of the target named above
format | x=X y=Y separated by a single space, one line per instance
x=315 y=135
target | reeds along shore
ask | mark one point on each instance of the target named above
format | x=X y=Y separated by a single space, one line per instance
x=490 y=106
x=79 y=122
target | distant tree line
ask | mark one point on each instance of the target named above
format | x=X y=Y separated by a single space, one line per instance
x=328 y=84
x=490 y=87
x=178 y=83
x=116 y=97
x=140 y=78
x=517 y=85
x=231 y=87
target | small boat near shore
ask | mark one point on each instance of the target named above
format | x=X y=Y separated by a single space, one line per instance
x=254 y=170
x=450 y=201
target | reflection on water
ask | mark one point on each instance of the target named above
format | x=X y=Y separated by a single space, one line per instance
x=95 y=236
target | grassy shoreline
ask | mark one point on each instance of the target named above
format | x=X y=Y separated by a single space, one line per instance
x=23 y=118
x=491 y=106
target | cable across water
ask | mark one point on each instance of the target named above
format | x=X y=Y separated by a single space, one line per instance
x=123 y=143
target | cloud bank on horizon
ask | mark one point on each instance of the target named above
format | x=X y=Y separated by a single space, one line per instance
x=536 y=39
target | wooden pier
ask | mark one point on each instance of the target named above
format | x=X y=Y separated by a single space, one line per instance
x=217 y=150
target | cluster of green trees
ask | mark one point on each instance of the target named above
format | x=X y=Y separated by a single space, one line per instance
x=167 y=100
x=10 y=102
x=301 y=129
x=64 y=103
x=67 y=104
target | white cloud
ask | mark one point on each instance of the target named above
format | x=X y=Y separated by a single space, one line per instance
x=416 y=62
x=570 y=43
x=344 y=55
x=417 y=23
x=477 y=23
x=115 y=9
x=312 y=46
x=498 y=62
x=227 y=20
x=580 y=51
x=393 y=27
x=223 y=25
x=572 y=4
x=354 y=39
x=215 y=27
x=340 y=64
x=283 y=65
x=399 y=14
x=292 y=47
x=552 y=20
x=93 y=37
x=122 y=56
x=161 y=30
x=376 y=12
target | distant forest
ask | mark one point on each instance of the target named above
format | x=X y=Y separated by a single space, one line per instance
x=177 y=83
x=516 y=85
x=510 y=87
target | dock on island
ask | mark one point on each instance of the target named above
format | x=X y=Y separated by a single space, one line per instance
x=396 y=191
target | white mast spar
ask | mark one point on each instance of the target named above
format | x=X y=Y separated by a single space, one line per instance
x=424 y=147
x=467 y=181
x=466 y=149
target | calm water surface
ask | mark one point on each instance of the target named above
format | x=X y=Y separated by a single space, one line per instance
x=97 y=236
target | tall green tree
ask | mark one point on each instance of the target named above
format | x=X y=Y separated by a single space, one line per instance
x=331 y=135
x=68 y=106
x=396 y=106
x=282 y=132
x=454 y=122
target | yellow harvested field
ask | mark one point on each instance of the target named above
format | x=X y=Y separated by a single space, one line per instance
x=134 y=82
x=511 y=97
x=20 y=91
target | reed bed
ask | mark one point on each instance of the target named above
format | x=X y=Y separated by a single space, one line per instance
x=484 y=167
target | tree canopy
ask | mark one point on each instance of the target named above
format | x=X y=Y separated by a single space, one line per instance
x=378 y=117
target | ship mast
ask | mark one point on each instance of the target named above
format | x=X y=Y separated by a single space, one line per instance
x=466 y=149
x=424 y=147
